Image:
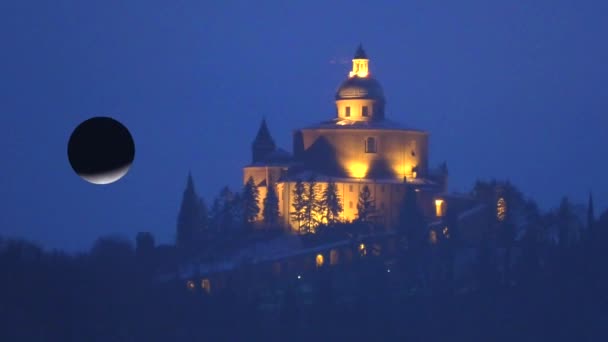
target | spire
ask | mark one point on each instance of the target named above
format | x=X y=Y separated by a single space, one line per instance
x=263 y=136
x=190 y=182
x=360 y=64
x=263 y=143
x=360 y=53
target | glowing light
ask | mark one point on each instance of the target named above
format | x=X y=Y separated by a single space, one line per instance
x=357 y=170
x=299 y=276
x=362 y=249
x=388 y=270
x=319 y=260
x=360 y=68
x=439 y=207
x=501 y=209
x=190 y=284
x=446 y=232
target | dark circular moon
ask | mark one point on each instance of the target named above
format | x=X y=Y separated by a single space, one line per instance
x=101 y=150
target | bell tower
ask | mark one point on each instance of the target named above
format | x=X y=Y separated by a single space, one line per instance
x=360 y=97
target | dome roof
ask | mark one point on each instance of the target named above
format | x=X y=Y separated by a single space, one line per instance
x=360 y=88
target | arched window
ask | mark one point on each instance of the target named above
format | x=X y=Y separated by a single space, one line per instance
x=370 y=145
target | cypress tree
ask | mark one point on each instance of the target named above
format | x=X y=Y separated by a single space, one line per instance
x=332 y=204
x=311 y=206
x=299 y=203
x=190 y=222
x=271 y=207
x=250 y=200
x=366 y=206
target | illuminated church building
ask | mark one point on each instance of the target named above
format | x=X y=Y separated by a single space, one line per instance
x=360 y=146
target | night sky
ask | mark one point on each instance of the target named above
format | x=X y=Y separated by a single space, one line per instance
x=509 y=89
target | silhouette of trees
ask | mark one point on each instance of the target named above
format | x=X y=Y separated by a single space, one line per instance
x=227 y=212
x=366 y=206
x=270 y=213
x=299 y=204
x=332 y=204
x=191 y=221
x=312 y=207
x=250 y=202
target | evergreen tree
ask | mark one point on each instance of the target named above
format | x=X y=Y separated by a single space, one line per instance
x=311 y=206
x=564 y=219
x=226 y=211
x=299 y=203
x=366 y=206
x=332 y=204
x=590 y=219
x=190 y=223
x=250 y=200
x=271 y=207
x=411 y=219
x=414 y=233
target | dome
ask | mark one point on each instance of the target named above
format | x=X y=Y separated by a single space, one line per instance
x=360 y=88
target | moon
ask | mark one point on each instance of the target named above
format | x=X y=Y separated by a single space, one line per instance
x=101 y=150
x=106 y=177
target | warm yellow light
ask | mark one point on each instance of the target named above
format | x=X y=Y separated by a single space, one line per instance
x=319 y=260
x=360 y=68
x=501 y=209
x=357 y=170
x=439 y=208
x=362 y=249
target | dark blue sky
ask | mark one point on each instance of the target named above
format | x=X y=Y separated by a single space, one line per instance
x=510 y=89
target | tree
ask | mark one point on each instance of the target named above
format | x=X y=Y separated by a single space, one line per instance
x=564 y=220
x=226 y=213
x=299 y=203
x=590 y=220
x=366 y=206
x=271 y=207
x=413 y=230
x=311 y=206
x=190 y=221
x=332 y=203
x=250 y=200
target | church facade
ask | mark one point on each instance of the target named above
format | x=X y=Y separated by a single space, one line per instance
x=359 y=147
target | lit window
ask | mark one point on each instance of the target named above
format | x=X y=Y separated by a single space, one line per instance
x=365 y=111
x=370 y=145
x=439 y=207
x=350 y=204
x=319 y=260
x=347 y=111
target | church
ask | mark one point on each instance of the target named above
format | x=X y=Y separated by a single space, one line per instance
x=360 y=146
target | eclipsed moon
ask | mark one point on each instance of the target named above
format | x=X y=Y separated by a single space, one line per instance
x=101 y=150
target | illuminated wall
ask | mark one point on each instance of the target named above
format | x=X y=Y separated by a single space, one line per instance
x=397 y=151
x=353 y=109
x=388 y=199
